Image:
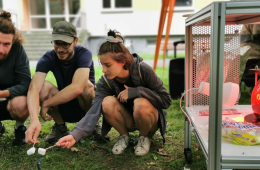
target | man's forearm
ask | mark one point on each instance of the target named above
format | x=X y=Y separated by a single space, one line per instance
x=33 y=104
x=4 y=94
x=67 y=94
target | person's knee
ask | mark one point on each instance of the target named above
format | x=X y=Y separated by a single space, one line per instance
x=47 y=91
x=108 y=105
x=17 y=108
x=142 y=107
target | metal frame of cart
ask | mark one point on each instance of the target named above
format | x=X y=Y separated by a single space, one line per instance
x=212 y=148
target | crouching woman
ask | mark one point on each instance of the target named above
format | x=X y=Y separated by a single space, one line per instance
x=130 y=96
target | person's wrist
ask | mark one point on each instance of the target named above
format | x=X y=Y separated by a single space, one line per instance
x=74 y=138
x=45 y=103
x=34 y=120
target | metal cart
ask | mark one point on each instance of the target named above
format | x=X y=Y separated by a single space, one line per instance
x=212 y=54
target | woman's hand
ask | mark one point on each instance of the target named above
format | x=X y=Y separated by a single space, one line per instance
x=66 y=142
x=123 y=95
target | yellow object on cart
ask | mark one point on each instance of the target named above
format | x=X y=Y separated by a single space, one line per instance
x=244 y=138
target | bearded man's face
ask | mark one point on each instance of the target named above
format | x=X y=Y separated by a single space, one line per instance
x=6 y=42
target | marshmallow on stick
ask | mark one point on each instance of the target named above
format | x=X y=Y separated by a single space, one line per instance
x=42 y=151
x=31 y=151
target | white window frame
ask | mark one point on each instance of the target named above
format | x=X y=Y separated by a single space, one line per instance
x=114 y=9
x=48 y=16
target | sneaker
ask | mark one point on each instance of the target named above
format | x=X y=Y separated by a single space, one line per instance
x=120 y=145
x=57 y=132
x=97 y=132
x=2 y=129
x=19 y=136
x=143 y=146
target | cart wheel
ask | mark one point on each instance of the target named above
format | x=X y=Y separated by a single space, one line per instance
x=187 y=154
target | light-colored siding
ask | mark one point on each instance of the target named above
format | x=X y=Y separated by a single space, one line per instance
x=200 y=4
x=147 y=5
x=136 y=22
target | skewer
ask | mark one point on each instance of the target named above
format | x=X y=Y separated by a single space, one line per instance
x=50 y=147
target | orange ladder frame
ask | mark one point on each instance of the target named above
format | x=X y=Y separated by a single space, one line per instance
x=165 y=5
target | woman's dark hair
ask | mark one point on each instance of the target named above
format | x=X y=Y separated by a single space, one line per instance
x=7 y=27
x=118 y=51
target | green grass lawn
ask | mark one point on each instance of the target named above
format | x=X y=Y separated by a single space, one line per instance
x=94 y=154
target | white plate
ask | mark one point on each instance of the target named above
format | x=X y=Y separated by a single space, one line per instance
x=2 y=99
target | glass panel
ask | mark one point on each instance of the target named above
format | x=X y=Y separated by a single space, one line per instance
x=57 y=7
x=1 y=4
x=54 y=20
x=74 y=6
x=183 y=3
x=123 y=3
x=38 y=23
x=77 y=25
x=106 y=4
x=71 y=19
x=37 y=7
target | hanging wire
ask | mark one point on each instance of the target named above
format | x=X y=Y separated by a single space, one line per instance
x=183 y=101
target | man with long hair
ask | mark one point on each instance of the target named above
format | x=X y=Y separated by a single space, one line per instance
x=15 y=78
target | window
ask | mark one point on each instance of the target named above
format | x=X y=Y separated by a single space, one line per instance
x=117 y=4
x=106 y=4
x=57 y=7
x=38 y=23
x=74 y=6
x=45 y=13
x=77 y=23
x=123 y=4
x=54 y=20
x=37 y=7
x=183 y=3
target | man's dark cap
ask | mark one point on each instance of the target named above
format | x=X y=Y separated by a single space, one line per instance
x=64 y=31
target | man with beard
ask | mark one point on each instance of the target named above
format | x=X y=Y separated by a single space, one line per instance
x=15 y=78
x=73 y=70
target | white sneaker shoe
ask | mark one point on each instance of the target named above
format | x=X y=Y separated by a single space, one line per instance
x=143 y=146
x=120 y=145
